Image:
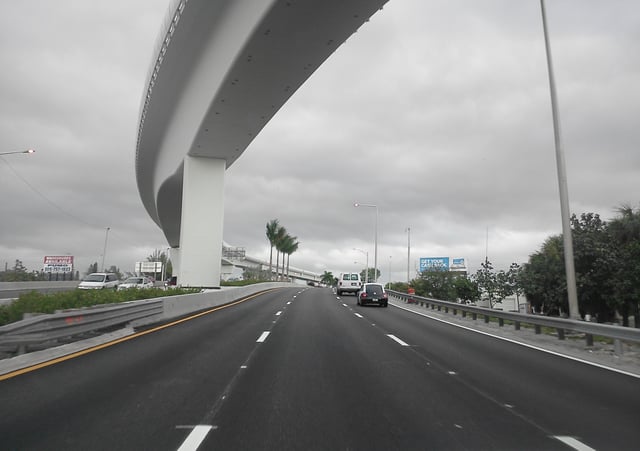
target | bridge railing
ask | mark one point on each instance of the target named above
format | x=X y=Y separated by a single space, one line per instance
x=561 y=325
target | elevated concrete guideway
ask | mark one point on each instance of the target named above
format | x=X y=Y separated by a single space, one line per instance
x=223 y=68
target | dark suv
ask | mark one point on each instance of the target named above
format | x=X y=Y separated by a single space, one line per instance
x=372 y=293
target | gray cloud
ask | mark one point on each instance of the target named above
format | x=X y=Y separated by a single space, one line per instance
x=438 y=112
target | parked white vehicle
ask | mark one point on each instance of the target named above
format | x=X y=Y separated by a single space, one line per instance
x=136 y=282
x=99 y=281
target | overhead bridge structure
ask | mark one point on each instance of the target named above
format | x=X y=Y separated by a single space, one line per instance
x=222 y=70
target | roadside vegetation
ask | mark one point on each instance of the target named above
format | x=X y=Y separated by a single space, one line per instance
x=35 y=302
x=607 y=263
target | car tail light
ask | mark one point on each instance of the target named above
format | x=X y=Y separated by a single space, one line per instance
x=363 y=295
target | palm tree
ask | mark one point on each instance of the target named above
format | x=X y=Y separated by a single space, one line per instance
x=327 y=278
x=272 y=231
x=290 y=245
x=281 y=234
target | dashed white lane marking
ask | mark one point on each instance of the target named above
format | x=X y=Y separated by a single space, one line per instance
x=279 y=313
x=526 y=345
x=396 y=339
x=573 y=443
x=358 y=315
x=288 y=302
x=195 y=438
x=344 y=305
x=263 y=337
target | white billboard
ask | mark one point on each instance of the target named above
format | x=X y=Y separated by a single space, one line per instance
x=58 y=263
x=154 y=267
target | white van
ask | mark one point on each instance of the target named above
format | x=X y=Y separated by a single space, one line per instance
x=99 y=281
x=348 y=282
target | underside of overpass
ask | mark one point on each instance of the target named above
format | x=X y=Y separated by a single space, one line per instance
x=222 y=70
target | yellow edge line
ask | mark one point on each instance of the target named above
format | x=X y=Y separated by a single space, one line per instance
x=123 y=339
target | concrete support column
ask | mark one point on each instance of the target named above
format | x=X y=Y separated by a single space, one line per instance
x=175 y=261
x=202 y=221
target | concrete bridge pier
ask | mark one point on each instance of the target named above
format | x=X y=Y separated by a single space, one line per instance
x=200 y=250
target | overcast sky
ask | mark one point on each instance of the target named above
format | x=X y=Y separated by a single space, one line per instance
x=437 y=111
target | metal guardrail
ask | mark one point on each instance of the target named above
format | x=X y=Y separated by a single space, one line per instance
x=44 y=328
x=561 y=325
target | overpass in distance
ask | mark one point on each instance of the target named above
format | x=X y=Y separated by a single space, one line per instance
x=222 y=70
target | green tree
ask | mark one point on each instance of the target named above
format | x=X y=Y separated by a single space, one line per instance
x=372 y=274
x=281 y=235
x=595 y=265
x=288 y=246
x=624 y=232
x=272 y=233
x=496 y=286
x=19 y=273
x=487 y=283
x=327 y=278
x=465 y=288
x=543 y=279
x=435 y=283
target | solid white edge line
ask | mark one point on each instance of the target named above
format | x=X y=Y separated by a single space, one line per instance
x=573 y=443
x=537 y=348
x=195 y=438
x=396 y=339
x=263 y=337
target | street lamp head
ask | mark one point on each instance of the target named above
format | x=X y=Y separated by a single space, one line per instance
x=18 y=151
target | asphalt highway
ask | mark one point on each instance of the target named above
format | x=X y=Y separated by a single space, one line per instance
x=303 y=369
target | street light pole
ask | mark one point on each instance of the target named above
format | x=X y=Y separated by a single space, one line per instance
x=569 y=264
x=106 y=237
x=375 y=241
x=366 y=274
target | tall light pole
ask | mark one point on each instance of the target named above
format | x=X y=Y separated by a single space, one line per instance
x=375 y=240
x=569 y=264
x=106 y=237
x=18 y=151
x=366 y=274
x=389 y=284
x=408 y=255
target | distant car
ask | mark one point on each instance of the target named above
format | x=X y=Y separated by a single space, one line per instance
x=372 y=293
x=136 y=282
x=348 y=282
x=100 y=281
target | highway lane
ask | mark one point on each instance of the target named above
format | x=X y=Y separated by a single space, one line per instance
x=562 y=396
x=137 y=394
x=326 y=374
